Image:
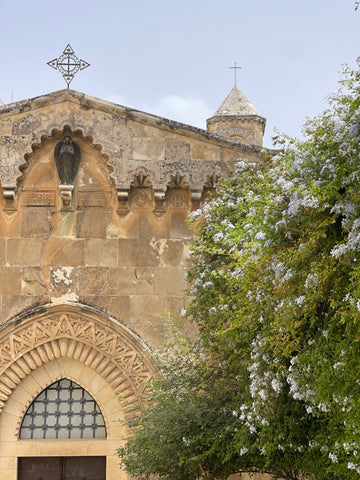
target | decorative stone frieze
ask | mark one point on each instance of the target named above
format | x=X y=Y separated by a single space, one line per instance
x=128 y=138
x=38 y=198
x=75 y=333
x=90 y=198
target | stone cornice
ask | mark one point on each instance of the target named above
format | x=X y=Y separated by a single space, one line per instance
x=87 y=102
x=133 y=142
x=224 y=118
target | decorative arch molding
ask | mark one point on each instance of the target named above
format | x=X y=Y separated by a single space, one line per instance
x=56 y=135
x=78 y=333
x=33 y=133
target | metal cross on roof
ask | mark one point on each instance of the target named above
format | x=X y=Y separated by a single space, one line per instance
x=68 y=64
x=235 y=68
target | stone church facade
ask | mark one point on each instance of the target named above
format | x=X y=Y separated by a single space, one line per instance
x=91 y=268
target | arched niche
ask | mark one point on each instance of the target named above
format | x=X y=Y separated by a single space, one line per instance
x=93 y=182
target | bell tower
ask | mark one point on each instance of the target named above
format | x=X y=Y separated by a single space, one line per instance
x=238 y=118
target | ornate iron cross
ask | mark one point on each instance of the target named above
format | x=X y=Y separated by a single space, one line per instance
x=235 y=68
x=68 y=64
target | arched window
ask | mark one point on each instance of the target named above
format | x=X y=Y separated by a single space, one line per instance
x=63 y=410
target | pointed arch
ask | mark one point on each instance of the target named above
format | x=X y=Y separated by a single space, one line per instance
x=79 y=333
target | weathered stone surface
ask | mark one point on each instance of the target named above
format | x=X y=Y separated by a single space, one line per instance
x=178 y=226
x=68 y=252
x=99 y=251
x=34 y=281
x=9 y=223
x=131 y=281
x=2 y=251
x=91 y=223
x=35 y=223
x=153 y=226
x=138 y=253
x=64 y=284
x=203 y=151
x=174 y=253
x=24 y=251
x=150 y=317
x=13 y=304
x=10 y=280
x=123 y=225
x=148 y=148
x=95 y=281
x=169 y=281
x=118 y=306
x=177 y=151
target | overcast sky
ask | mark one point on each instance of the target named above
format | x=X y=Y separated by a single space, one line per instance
x=172 y=58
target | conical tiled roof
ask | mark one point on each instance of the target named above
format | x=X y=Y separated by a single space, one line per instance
x=236 y=104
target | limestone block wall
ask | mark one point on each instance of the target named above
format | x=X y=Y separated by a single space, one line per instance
x=125 y=258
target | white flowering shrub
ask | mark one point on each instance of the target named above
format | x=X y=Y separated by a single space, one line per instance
x=274 y=383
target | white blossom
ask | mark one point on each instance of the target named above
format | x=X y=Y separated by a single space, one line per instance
x=276 y=385
x=243 y=450
x=333 y=457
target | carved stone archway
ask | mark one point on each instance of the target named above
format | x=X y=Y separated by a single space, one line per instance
x=80 y=333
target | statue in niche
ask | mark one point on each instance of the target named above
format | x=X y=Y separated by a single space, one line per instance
x=67 y=158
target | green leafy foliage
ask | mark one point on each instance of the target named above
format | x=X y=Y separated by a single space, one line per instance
x=273 y=383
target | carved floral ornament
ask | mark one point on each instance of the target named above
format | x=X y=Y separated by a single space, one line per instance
x=65 y=331
x=141 y=180
x=178 y=181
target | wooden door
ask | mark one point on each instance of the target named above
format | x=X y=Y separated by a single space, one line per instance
x=36 y=468
x=84 y=468
x=62 y=468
